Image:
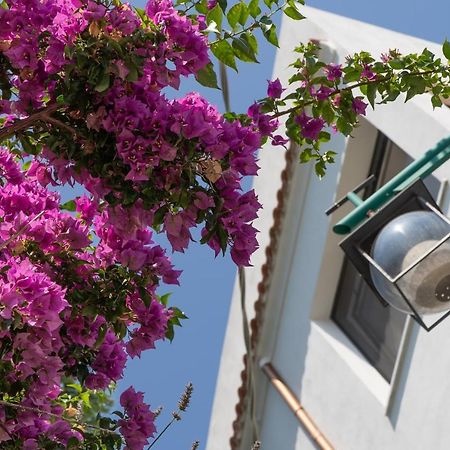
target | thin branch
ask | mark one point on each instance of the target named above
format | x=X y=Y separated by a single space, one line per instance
x=60 y=124
x=20 y=230
x=162 y=432
x=23 y=124
x=190 y=7
x=55 y=416
x=349 y=88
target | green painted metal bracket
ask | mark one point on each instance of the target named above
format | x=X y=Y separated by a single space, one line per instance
x=420 y=168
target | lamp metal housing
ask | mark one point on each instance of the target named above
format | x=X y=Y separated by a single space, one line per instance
x=357 y=246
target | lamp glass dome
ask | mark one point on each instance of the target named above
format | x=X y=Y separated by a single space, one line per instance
x=400 y=244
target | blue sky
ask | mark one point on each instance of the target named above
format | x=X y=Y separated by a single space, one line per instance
x=206 y=282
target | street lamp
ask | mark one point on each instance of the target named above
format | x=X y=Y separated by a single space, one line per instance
x=401 y=241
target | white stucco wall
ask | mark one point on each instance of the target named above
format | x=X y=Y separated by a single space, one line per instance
x=351 y=403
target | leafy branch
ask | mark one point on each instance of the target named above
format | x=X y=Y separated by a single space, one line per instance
x=376 y=82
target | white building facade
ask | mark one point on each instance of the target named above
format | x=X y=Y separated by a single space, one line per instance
x=368 y=377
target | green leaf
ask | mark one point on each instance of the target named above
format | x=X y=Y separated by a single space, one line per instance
x=76 y=387
x=73 y=442
x=170 y=333
x=223 y=238
x=202 y=7
x=207 y=76
x=320 y=168
x=436 y=101
x=305 y=155
x=371 y=94
x=329 y=156
x=397 y=64
x=243 y=50
x=234 y=14
x=344 y=127
x=176 y=312
x=244 y=14
x=215 y=15
x=133 y=73
x=104 y=83
x=292 y=11
x=352 y=74
x=158 y=218
x=328 y=113
x=26 y=165
x=101 y=335
x=223 y=51
x=254 y=9
x=269 y=30
x=27 y=145
x=85 y=399
x=416 y=86
x=164 y=299
x=118 y=413
x=69 y=206
x=446 y=49
x=252 y=41
x=145 y=296
x=223 y=4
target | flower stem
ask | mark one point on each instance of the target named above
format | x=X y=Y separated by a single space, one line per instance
x=161 y=433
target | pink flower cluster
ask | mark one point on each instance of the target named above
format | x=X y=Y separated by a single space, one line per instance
x=144 y=161
x=46 y=329
x=23 y=26
x=138 y=424
x=153 y=136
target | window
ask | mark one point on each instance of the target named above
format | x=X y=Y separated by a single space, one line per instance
x=376 y=330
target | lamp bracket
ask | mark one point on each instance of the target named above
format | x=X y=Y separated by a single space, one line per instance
x=351 y=195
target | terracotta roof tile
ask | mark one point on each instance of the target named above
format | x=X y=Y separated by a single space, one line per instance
x=259 y=306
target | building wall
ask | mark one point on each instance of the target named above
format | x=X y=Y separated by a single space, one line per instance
x=348 y=399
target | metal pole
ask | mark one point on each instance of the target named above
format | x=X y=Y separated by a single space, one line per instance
x=420 y=168
x=294 y=405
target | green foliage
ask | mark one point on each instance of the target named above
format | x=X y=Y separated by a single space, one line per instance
x=224 y=52
x=245 y=47
x=363 y=78
x=215 y=16
x=238 y=14
x=446 y=49
x=234 y=30
x=292 y=10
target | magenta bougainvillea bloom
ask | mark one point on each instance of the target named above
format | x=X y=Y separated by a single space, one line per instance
x=359 y=106
x=138 y=424
x=368 y=73
x=310 y=127
x=81 y=281
x=274 y=89
x=333 y=72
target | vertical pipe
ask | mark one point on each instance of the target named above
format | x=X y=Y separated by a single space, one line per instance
x=294 y=405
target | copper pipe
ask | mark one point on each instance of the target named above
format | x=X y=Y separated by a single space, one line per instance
x=294 y=405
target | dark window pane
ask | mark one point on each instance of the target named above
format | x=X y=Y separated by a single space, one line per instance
x=376 y=330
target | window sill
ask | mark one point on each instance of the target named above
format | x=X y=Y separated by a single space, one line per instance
x=356 y=362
